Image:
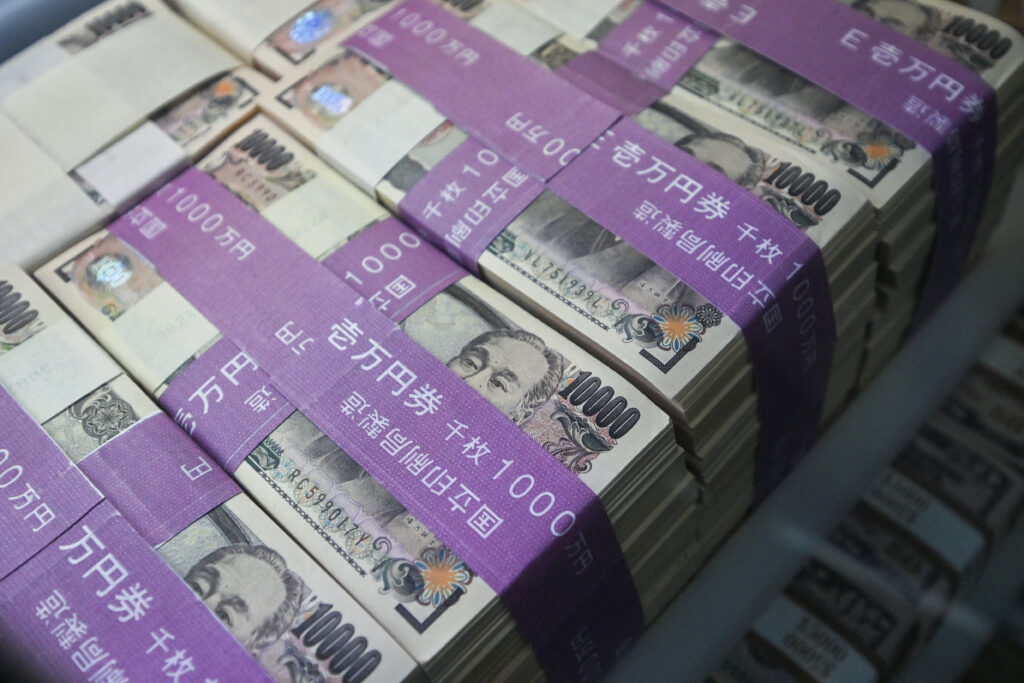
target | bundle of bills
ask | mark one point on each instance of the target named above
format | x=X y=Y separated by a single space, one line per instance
x=101 y=113
x=616 y=301
x=627 y=453
x=876 y=592
x=112 y=67
x=894 y=173
x=512 y=173
x=995 y=51
x=731 y=84
x=98 y=604
x=990 y=398
x=83 y=415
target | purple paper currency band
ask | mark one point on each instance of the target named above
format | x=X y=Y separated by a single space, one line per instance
x=393 y=268
x=226 y=403
x=641 y=59
x=610 y=82
x=836 y=47
x=747 y=260
x=523 y=519
x=43 y=492
x=467 y=199
x=529 y=115
x=99 y=604
x=158 y=478
x=657 y=45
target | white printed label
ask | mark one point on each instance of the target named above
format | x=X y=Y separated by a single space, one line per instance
x=927 y=518
x=322 y=213
x=134 y=166
x=29 y=64
x=816 y=648
x=575 y=17
x=159 y=333
x=514 y=27
x=373 y=137
x=54 y=368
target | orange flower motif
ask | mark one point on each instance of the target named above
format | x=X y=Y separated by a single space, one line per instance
x=678 y=327
x=880 y=148
x=225 y=87
x=443 y=574
x=878 y=151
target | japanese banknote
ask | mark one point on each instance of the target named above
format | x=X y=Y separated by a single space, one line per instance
x=253 y=578
x=379 y=551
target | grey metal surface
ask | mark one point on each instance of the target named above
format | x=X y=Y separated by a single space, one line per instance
x=22 y=22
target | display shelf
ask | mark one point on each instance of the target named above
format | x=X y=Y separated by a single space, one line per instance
x=729 y=593
x=973 y=619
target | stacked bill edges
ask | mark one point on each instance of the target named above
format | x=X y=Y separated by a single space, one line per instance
x=876 y=591
x=621 y=371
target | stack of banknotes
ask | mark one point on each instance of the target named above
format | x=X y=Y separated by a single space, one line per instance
x=156 y=333
x=971 y=38
x=81 y=106
x=877 y=590
x=859 y=189
x=98 y=447
x=140 y=120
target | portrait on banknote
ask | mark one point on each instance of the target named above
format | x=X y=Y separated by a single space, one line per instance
x=906 y=16
x=512 y=369
x=239 y=564
x=518 y=371
x=244 y=583
x=249 y=588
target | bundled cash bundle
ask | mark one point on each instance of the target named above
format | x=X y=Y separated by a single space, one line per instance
x=876 y=592
x=624 y=173
x=574 y=272
x=102 y=112
x=111 y=68
x=70 y=411
x=733 y=84
x=387 y=138
x=527 y=370
x=81 y=607
x=731 y=108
